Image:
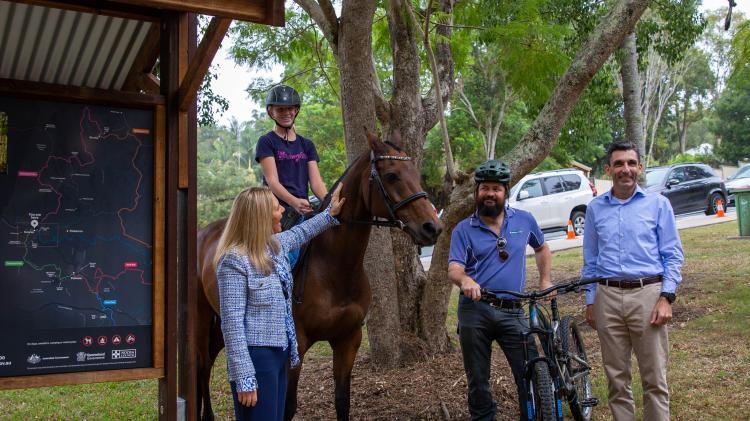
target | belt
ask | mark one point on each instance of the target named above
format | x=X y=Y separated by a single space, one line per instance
x=629 y=283
x=504 y=303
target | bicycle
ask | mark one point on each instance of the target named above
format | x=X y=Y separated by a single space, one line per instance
x=561 y=370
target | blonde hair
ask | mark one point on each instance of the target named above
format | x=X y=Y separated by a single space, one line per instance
x=249 y=229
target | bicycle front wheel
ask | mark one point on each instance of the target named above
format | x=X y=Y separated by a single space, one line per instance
x=544 y=394
x=577 y=369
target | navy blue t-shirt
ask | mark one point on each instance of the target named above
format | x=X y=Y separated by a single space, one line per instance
x=291 y=160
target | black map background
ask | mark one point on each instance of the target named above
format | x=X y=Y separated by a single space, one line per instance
x=74 y=285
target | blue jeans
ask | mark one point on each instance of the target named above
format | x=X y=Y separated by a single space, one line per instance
x=479 y=325
x=271 y=366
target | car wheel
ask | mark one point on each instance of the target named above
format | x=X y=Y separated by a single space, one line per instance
x=713 y=203
x=579 y=220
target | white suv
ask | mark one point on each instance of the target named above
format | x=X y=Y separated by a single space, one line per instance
x=554 y=197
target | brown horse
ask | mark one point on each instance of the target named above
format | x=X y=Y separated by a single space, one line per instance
x=381 y=187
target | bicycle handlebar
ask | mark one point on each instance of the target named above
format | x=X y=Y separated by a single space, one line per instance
x=565 y=287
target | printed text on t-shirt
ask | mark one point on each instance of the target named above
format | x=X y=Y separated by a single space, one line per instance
x=282 y=156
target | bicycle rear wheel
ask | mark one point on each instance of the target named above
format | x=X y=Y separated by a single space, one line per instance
x=577 y=368
x=544 y=395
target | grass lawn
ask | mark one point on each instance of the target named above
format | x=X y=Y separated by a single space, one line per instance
x=709 y=369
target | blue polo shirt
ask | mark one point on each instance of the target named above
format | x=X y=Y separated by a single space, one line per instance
x=474 y=246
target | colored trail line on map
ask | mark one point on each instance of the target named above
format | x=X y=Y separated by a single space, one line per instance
x=3 y=143
x=13 y=263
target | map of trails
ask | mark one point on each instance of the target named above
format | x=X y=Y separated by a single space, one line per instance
x=76 y=232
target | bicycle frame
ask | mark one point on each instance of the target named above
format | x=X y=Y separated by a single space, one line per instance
x=546 y=341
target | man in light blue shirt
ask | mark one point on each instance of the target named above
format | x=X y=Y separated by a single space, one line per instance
x=631 y=242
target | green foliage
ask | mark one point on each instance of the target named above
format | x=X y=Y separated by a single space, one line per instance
x=740 y=53
x=671 y=28
x=321 y=122
x=709 y=159
x=733 y=112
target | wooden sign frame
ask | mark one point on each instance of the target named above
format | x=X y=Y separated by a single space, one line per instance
x=156 y=103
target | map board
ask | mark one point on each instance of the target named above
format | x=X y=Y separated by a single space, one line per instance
x=76 y=237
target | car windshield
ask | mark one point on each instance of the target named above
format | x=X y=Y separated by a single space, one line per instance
x=744 y=172
x=655 y=176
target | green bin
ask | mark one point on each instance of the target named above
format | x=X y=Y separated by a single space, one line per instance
x=742 y=200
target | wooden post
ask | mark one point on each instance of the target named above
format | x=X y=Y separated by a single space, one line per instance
x=170 y=83
x=187 y=362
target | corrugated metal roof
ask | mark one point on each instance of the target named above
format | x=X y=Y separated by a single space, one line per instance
x=43 y=44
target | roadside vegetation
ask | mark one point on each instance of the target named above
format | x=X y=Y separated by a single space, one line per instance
x=709 y=369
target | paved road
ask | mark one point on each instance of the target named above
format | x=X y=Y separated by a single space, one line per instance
x=557 y=240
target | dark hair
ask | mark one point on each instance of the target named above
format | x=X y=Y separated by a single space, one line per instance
x=622 y=146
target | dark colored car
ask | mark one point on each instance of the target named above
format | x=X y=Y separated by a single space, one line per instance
x=689 y=187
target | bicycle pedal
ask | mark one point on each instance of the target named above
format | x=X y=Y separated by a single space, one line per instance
x=589 y=402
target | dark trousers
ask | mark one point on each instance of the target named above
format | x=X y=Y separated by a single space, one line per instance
x=271 y=366
x=479 y=325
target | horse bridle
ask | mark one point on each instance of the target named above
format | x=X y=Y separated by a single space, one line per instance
x=392 y=221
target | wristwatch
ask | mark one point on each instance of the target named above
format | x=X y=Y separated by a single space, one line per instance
x=670 y=296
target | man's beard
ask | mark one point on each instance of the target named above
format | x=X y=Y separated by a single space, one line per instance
x=490 y=210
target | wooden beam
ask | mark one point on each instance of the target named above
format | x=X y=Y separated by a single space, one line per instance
x=40 y=90
x=143 y=64
x=200 y=63
x=259 y=11
x=100 y=7
x=25 y=382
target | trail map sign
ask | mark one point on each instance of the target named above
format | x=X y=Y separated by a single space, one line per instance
x=76 y=237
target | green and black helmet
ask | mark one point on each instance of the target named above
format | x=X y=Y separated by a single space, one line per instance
x=492 y=170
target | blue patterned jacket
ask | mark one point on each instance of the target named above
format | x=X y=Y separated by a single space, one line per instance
x=254 y=310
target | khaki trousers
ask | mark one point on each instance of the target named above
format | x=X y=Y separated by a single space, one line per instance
x=623 y=322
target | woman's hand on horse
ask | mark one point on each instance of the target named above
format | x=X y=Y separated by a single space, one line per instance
x=248 y=398
x=337 y=201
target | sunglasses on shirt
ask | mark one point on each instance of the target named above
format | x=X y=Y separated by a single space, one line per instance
x=501 y=252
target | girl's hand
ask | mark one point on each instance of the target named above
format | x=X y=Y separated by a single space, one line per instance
x=248 y=398
x=336 y=201
x=302 y=206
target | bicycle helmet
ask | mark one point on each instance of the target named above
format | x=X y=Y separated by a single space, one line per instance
x=492 y=170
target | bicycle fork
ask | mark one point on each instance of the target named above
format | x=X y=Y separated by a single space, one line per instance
x=543 y=354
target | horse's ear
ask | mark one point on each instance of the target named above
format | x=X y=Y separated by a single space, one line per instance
x=396 y=138
x=375 y=143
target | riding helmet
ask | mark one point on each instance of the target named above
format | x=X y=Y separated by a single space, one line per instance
x=283 y=95
x=492 y=170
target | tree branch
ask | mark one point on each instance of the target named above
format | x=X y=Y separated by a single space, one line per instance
x=544 y=132
x=325 y=17
x=450 y=165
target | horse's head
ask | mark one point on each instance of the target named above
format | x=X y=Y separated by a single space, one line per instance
x=393 y=191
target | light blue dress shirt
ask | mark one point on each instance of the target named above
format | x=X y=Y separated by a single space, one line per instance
x=635 y=237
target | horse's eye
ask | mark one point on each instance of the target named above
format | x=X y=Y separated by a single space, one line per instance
x=391 y=178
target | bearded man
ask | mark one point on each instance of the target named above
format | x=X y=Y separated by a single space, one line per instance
x=488 y=250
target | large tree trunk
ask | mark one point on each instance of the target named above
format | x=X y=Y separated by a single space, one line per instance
x=535 y=145
x=631 y=92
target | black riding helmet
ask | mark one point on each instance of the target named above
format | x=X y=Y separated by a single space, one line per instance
x=492 y=170
x=285 y=96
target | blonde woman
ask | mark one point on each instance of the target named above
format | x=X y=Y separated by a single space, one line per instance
x=255 y=289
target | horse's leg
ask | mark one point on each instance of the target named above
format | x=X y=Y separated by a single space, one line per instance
x=344 y=353
x=215 y=345
x=290 y=406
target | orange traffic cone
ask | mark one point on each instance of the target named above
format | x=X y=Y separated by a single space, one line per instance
x=720 y=209
x=571 y=231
